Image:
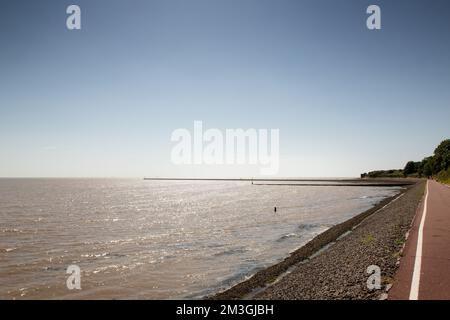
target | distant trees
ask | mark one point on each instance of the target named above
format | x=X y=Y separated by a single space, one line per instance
x=427 y=165
x=437 y=165
x=410 y=168
x=393 y=173
x=442 y=156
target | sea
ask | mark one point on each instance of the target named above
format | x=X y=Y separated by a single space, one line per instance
x=141 y=239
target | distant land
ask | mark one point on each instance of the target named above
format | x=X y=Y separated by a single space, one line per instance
x=436 y=166
x=319 y=182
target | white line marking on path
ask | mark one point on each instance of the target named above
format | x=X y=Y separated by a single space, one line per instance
x=414 y=293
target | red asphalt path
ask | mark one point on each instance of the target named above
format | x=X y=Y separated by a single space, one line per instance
x=424 y=272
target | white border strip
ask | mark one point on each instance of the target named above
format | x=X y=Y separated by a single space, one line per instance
x=414 y=293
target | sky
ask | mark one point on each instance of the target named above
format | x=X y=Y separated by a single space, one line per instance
x=103 y=101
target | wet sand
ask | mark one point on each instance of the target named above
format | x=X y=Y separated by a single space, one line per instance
x=333 y=265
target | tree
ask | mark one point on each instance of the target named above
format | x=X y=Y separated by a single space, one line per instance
x=442 y=156
x=420 y=168
x=410 y=168
x=437 y=165
x=428 y=164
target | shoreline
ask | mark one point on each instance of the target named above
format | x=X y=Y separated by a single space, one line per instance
x=356 y=181
x=273 y=276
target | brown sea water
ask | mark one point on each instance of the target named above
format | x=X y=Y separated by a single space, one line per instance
x=156 y=239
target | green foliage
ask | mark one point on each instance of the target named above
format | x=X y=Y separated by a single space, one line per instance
x=410 y=168
x=435 y=166
x=368 y=238
x=427 y=167
x=442 y=156
x=393 y=173
x=444 y=176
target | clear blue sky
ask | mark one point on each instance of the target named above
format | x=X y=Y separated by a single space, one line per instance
x=103 y=101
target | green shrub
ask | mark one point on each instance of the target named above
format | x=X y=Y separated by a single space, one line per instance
x=444 y=176
x=437 y=165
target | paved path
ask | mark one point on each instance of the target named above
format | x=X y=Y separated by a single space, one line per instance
x=424 y=271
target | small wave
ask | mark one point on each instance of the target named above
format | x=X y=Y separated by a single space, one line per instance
x=287 y=236
x=303 y=229
x=52 y=268
x=309 y=226
x=215 y=245
x=230 y=252
x=123 y=241
x=370 y=197
x=115 y=267
x=7 y=230
x=102 y=269
x=95 y=255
